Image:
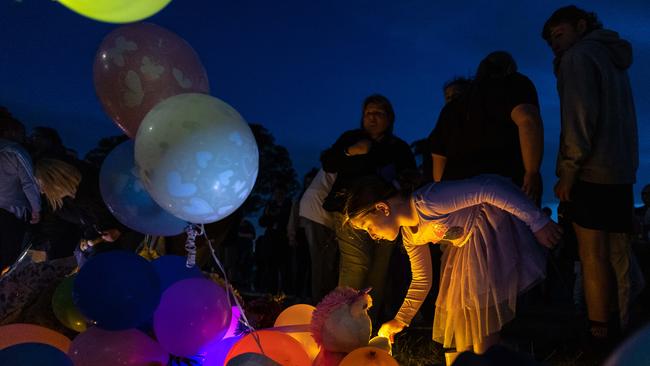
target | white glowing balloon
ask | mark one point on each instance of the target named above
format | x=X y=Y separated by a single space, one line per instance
x=197 y=157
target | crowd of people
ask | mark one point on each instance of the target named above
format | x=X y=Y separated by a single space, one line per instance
x=366 y=216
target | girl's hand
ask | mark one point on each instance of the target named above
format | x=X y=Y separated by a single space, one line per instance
x=549 y=235
x=390 y=328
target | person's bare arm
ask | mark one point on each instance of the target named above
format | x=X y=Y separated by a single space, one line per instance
x=439 y=163
x=531 y=139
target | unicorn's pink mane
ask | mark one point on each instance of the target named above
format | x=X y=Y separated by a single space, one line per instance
x=336 y=298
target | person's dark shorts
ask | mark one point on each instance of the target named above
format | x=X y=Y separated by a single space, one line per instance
x=605 y=207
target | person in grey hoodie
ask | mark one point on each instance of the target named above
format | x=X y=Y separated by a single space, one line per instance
x=20 y=199
x=598 y=154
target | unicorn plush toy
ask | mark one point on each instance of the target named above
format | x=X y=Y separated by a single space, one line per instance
x=340 y=324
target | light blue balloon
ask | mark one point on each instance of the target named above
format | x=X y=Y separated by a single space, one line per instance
x=127 y=198
x=197 y=157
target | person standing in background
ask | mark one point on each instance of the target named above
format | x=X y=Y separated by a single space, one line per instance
x=598 y=155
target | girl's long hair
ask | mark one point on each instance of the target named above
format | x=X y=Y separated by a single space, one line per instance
x=367 y=191
x=57 y=179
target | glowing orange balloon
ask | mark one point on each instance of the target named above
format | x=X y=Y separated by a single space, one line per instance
x=13 y=334
x=277 y=346
x=299 y=314
x=368 y=356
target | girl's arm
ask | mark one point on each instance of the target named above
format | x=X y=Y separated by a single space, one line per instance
x=421 y=280
x=447 y=197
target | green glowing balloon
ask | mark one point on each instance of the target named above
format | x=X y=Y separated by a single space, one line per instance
x=116 y=11
x=65 y=309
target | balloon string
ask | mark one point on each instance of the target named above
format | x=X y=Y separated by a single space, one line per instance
x=190 y=245
x=232 y=295
x=21 y=259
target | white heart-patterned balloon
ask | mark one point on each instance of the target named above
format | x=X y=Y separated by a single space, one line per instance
x=197 y=157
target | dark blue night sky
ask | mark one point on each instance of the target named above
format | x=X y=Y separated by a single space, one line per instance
x=302 y=68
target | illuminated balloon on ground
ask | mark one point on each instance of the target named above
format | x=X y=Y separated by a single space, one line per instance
x=368 y=356
x=13 y=334
x=64 y=308
x=139 y=65
x=381 y=343
x=33 y=354
x=117 y=289
x=197 y=157
x=192 y=314
x=128 y=200
x=277 y=346
x=299 y=314
x=116 y=11
x=98 y=347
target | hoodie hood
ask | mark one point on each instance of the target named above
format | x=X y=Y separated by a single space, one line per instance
x=619 y=50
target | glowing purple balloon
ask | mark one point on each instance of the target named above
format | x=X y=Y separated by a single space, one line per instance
x=234 y=321
x=192 y=313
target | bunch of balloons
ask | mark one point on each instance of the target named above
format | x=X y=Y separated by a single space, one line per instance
x=194 y=159
x=121 y=293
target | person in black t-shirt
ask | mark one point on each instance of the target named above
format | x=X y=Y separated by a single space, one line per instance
x=495 y=127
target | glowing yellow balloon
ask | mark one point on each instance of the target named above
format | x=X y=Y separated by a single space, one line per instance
x=299 y=314
x=116 y=11
x=368 y=356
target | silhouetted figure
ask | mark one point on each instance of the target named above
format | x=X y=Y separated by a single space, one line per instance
x=45 y=142
x=451 y=90
x=494 y=127
x=19 y=193
x=272 y=252
x=319 y=227
x=301 y=260
x=598 y=155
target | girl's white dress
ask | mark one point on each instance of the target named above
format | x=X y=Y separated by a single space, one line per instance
x=491 y=256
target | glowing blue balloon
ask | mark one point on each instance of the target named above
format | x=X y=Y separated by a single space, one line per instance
x=127 y=198
x=33 y=354
x=172 y=268
x=197 y=157
x=117 y=289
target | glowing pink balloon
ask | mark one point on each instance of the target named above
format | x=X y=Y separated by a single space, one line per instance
x=98 y=347
x=192 y=313
x=139 y=65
